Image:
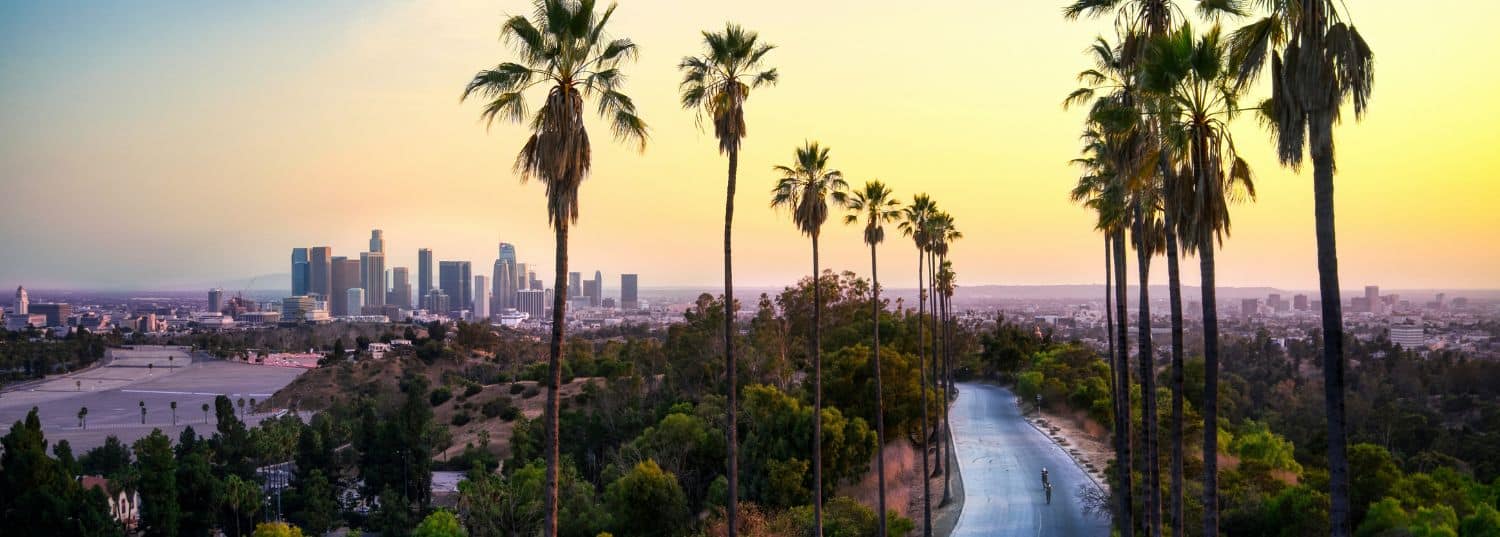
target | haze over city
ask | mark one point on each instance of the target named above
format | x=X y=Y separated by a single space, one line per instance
x=175 y=145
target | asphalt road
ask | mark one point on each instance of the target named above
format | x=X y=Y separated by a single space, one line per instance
x=1001 y=457
x=113 y=393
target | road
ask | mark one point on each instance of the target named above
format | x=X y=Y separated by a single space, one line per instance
x=1001 y=458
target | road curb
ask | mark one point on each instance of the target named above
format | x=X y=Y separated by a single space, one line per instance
x=1065 y=451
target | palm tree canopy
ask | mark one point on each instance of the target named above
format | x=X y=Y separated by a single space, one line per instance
x=564 y=49
x=718 y=82
x=876 y=205
x=1318 y=60
x=946 y=279
x=1140 y=20
x=915 y=217
x=805 y=187
x=943 y=232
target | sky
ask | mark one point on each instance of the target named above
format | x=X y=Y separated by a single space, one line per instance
x=151 y=145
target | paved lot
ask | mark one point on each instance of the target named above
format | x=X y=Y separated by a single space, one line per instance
x=1001 y=457
x=113 y=393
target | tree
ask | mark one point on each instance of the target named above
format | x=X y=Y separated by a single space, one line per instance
x=319 y=507
x=914 y=224
x=804 y=190
x=83 y=417
x=143 y=412
x=647 y=501
x=717 y=84
x=563 y=48
x=876 y=206
x=199 y=492
x=157 y=484
x=205 y=412
x=174 y=412
x=1318 y=62
x=944 y=232
x=1191 y=75
x=242 y=498
x=276 y=529
x=39 y=495
x=441 y=523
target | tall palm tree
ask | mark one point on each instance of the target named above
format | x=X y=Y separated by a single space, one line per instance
x=804 y=190
x=1199 y=98
x=933 y=232
x=717 y=84
x=1319 y=61
x=914 y=225
x=946 y=280
x=1112 y=147
x=875 y=205
x=564 y=49
x=944 y=233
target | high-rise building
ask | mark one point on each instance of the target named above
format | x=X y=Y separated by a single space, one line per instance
x=594 y=289
x=57 y=313
x=481 y=297
x=424 y=275
x=300 y=271
x=533 y=302
x=320 y=272
x=503 y=284
x=1299 y=302
x=373 y=282
x=345 y=277
x=436 y=301
x=1249 y=307
x=575 y=284
x=1372 y=299
x=1410 y=337
x=628 y=292
x=400 y=288
x=23 y=301
x=297 y=309
x=456 y=281
x=377 y=241
x=523 y=277
x=216 y=299
x=355 y=302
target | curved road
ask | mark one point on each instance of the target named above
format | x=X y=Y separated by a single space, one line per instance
x=1001 y=458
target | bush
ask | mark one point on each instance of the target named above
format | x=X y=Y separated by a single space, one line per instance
x=531 y=391
x=439 y=396
x=472 y=389
x=497 y=407
x=460 y=419
x=516 y=388
x=648 y=501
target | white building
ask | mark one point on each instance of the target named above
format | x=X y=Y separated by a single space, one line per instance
x=1410 y=337
x=481 y=297
x=23 y=301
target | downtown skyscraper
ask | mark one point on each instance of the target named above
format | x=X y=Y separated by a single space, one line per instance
x=400 y=293
x=345 y=276
x=372 y=277
x=320 y=273
x=301 y=271
x=503 y=278
x=456 y=280
x=424 y=275
x=629 y=289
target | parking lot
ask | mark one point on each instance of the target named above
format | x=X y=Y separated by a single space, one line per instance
x=113 y=393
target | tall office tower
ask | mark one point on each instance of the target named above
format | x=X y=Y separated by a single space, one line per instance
x=377 y=241
x=320 y=272
x=23 y=301
x=300 y=271
x=533 y=302
x=345 y=277
x=536 y=283
x=1299 y=302
x=400 y=288
x=57 y=313
x=503 y=285
x=424 y=275
x=374 y=277
x=298 y=309
x=595 y=289
x=628 y=290
x=575 y=284
x=216 y=299
x=355 y=302
x=455 y=279
x=481 y=297
x=523 y=281
x=1273 y=301
x=1372 y=298
x=1249 y=307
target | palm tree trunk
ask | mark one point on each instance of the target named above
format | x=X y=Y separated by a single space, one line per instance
x=554 y=375
x=1174 y=289
x=879 y=395
x=922 y=381
x=732 y=427
x=1123 y=487
x=947 y=396
x=1109 y=317
x=1320 y=128
x=1147 y=365
x=817 y=357
x=937 y=381
x=1210 y=388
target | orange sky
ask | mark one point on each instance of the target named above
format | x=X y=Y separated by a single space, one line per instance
x=171 y=144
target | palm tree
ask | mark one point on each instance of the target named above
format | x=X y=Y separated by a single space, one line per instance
x=943 y=232
x=876 y=206
x=174 y=412
x=143 y=412
x=945 y=282
x=914 y=225
x=205 y=412
x=1198 y=99
x=565 y=50
x=1318 y=62
x=804 y=190
x=83 y=417
x=717 y=84
x=1112 y=147
x=1146 y=235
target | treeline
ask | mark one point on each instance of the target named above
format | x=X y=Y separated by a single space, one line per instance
x=25 y=354
x=1422 y=431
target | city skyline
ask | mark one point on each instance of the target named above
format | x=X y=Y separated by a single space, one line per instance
x=1401 y=212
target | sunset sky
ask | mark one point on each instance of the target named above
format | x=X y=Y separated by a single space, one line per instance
x=157 y=144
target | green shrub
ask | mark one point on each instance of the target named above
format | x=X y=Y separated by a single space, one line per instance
x=440 y=395
x=460 y=419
